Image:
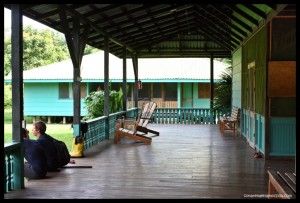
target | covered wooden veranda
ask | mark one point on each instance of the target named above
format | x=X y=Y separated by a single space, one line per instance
x=199 y=164
x=185 y=161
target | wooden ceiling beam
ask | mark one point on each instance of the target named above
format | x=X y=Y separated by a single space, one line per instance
x=224 y=22
x=212 y=34
x=255 y=10
x=227 y=22
x=216 y=29
x=169 y=24
x=243 y=14
x=91 y=24
x=148 y=16
x=232 y=17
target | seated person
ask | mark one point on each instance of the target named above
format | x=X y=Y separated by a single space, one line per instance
x=46 y=141
x=36 y=165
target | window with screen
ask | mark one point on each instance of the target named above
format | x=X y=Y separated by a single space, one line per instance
x=203 y=90
x=145 y=92
x=116 y=86
x=171 y=91
x=129 y=91
x=156 y=90
x=95 y=86
x=83 y=90
x=64 y=92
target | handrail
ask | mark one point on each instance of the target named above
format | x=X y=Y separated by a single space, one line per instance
x=10 y=147
x=186 y=116
x=100 y=129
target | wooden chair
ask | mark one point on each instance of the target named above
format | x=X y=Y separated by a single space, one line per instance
x=139 y=127
x=230 y=122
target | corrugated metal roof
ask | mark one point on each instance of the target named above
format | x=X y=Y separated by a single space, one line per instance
x=92 y=68
x=160 y=30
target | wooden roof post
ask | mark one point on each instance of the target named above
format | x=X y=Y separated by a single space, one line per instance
x=135 y=69
x=17 y=91
x=212 y=85
x=76 y=42
x=124 y=84
x=106 y=86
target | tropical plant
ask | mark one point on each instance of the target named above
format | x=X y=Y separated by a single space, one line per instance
x=95 y=103
x=222 y=96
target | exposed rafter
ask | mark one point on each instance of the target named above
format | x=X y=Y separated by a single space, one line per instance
x=165 y=29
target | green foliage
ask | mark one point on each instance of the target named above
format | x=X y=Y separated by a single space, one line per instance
x=89 y=50
x=7 y=56
x=8 y=115
x=7 y=96
x=40 y=47
x=95 y=103
x=222 y=99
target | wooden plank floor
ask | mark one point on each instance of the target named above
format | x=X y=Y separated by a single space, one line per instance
x=185 y=161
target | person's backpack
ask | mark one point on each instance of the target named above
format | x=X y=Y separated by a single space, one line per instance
x=63 y=156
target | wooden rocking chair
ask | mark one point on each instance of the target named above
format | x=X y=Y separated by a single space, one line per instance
x=139 y=130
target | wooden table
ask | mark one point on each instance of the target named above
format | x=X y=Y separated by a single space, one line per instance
x=282 y=185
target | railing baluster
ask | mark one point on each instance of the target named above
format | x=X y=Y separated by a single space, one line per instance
x=173 y=116
x=198 y=116
x=8 y=173
x=178 y=116
x=189 y=115
x=163 y=116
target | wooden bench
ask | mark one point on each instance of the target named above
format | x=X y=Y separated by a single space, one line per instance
x=282 y=185
x=230 y=122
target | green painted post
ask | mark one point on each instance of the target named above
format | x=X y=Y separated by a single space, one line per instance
x=179 y=95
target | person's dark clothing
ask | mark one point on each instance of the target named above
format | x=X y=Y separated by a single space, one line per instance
x=46 y=141
x=36 y=165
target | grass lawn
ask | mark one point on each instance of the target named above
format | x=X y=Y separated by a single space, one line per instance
x=62 y=132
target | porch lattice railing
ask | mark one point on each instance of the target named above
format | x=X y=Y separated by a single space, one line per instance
x=186 y=116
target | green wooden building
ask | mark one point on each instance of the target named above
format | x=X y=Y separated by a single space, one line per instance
x=48 y=89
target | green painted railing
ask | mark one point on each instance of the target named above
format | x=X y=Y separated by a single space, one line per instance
x=14 y=177
x=186 y=116
x=97 y=128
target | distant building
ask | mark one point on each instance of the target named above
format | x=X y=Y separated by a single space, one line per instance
x=171 y=82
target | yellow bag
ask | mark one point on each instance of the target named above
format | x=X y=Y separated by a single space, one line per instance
x=77 y=148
